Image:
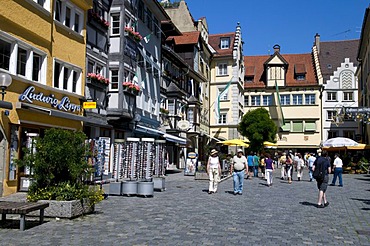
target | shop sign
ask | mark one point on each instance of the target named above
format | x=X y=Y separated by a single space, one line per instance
x=183 y=124
x=88 y=105
x=192 y=155
x=64 y=104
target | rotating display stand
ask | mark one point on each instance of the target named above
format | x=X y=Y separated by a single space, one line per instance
x=159 y=165
x=145 y=168
x=115 y=188
x=130 y=166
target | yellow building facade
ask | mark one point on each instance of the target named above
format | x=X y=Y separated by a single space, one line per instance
x=43 y=49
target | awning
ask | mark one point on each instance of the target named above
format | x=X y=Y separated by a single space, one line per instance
x=148 y=130
x=174 y=139
x=60 y=114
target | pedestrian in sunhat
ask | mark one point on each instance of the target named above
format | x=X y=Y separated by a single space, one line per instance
x=213 y=171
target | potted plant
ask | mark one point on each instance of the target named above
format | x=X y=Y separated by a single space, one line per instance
x=58 y=171
x=131 y=87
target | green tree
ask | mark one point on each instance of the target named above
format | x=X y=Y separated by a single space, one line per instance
x=258 y=127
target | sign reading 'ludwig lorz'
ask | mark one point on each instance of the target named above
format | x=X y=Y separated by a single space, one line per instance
x=65 y=104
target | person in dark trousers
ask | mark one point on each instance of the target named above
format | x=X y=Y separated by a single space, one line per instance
x=338 y=170
x=322 y=183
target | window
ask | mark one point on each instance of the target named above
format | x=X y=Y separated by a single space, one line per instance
x=331 y=96
x=43 y=3
x=224 y=96
x=255 y=100
x=222 y=69
x=115 y=24
x=286 y=127
x=68 y=14
x=114 y=79
x=310 y=99
x=267 y=100
x=97 y=39
x=347 y=96
x=222 y=118
x=297 y=99
x=310 y=126
x=21 y=62
x=67 y=77
x=301 y=77
x=190 y=115
x=331 y=114
x=149 y=22
x=349 y=134
x=249 y=79
x=157 y=31
x=140 y=11
x=332 y=134
x=246 y=100
x=171 y=107
x=225 y=43
x=297 y=126
x=22 y=59
x=285 y=99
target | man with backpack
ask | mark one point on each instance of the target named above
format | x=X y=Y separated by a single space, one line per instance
x=321 y=169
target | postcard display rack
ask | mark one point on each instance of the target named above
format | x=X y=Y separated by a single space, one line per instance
x=133 y=167
x=159 y=165
x=100 y=149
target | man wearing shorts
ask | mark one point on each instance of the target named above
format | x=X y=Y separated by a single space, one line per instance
x=322 y=184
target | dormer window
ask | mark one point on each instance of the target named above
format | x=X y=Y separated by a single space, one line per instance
x=300 y=72
x=225 y=43
x=249 y=74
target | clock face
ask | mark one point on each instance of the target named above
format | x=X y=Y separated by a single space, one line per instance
x=137 y=117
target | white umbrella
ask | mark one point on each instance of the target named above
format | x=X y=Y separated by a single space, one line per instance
x=339 y=142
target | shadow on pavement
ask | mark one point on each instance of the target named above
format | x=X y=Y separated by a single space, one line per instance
x=15 y=223
x=230 y=192
x=264 y=184
x=366 y=201
x=308 y=204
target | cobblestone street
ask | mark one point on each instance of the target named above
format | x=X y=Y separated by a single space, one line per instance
x=185 y=214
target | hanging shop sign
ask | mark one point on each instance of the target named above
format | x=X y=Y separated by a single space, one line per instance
x=183 y=124
x=89 y=105
x=64 y=104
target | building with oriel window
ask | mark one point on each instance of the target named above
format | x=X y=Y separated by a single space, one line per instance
x=43 y=49
x=289 y=88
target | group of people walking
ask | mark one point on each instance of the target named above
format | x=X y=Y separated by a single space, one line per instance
x=241 y=166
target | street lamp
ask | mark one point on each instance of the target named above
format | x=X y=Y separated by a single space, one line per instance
x=5 y=81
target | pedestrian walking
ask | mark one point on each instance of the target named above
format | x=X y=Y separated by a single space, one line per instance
x=282 y=161
x=213 y=171
x=338 y=170
x=269 y=169
x=256 y=163
x=239 y=169
x=300 y=166
x=263 y=166
x=289 y=168
x=311 y=160
x=321 y=169
x=250 y=161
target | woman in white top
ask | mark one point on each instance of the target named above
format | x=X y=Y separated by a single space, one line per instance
x=213 y=171
x=300 y=166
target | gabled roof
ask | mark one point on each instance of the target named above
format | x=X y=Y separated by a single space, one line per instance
x=279 y=56
x=186 y=38
x=333 y=53
x=292 y=60
x=215 y=40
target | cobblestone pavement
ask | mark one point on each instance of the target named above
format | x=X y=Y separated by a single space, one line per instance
x=185 y=214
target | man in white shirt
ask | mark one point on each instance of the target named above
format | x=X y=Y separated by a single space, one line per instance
x=310 y=161
x=338 y=170
x=238 y=169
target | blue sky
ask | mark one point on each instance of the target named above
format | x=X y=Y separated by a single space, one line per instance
x=290 y=23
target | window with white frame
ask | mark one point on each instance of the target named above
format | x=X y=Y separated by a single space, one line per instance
x=349 y=134
x=310 y=99
x=43 y=3
x=224 y=96
x=21 y=59
x=246 y=100
x=190 y=115
x=297 y=99
x=297 y=126
x=255 y=100
x=332 y=134
x=222 y=118
x=69 y=15
x=331 y=96
x=171 y=106
x=115 y=24
x=285 y=99
x=67 y=77
x=225 y=43
x=267 y=100
x=222 y=69
x=114 y=79
x=347 y=96
x=331 y=114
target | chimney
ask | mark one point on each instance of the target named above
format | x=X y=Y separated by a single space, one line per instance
x=276 y=48
x=317 y=42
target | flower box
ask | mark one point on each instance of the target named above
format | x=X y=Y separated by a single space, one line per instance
x=130 y=87
x=67 y=209
x=97 y=78
x=129 y=31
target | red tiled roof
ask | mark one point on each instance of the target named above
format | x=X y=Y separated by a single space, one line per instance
x=215 y=39
x=186 y=38
x=300 y=62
